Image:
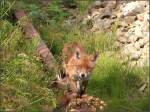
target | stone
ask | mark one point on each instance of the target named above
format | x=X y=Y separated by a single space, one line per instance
x=135 y=55
x=113 y=16
x=132 y=8
x=103 y=24
x=146 y=17
x=128 y=49
x=118 y=45
x=146 y=26
x=106 y=15
x=123 y=30
x=130 y=19
x=99 y=4
x=146 y=40
x=145 y=50
x=133 y=38
x=122 y=40
x=141 y=43
x=140 y=17
x=111 y=5
x=95 y=14
x=137 y=45
x=124 y=24
x=138 y=31
x=119 y=33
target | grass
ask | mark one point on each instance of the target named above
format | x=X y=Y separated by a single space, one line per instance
x=25 y=79
x=118 y=85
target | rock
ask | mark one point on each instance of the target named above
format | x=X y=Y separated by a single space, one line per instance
x=113 y=16
x=130 y=19
x=106 y=15
x=146 y=17
x=111 y=4
x=103 y=24
x=137 y=45
x=133 y=8
x=122 y=40
x=145 y=50
x=120 y=33
x=118 y=45
x=128 y=49
x=138 y=31
x=146 y=40
x=140 y=17
x=95 y=14
x=141 y=43
x=99 y=4
x=146 y=26
x=135 y=56
x=124 y=24
x=133 y=38
x=123 y=30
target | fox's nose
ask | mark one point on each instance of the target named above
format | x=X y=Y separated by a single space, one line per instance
x=82 y=75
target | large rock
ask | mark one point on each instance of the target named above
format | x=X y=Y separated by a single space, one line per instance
x=133 y=8
x=132 y=18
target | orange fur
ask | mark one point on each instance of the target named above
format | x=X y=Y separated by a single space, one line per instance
x=77 y=61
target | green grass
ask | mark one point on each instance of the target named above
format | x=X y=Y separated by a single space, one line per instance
x=25 y=79
x=118 y=85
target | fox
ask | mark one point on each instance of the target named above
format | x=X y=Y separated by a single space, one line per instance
x=78 y=65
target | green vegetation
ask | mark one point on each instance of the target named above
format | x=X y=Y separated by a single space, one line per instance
x=25 y=79
x=118 y=84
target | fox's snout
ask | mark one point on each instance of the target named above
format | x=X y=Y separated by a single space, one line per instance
x=82 y=75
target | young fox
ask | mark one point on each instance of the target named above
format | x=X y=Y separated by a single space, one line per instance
x=78 y=66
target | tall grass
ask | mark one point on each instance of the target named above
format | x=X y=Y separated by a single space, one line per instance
x=119 y=85
x=5 y=8
x=24 y=79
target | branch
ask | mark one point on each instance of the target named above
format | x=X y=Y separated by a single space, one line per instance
x=30 y=32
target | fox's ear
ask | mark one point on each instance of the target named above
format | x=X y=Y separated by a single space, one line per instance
x=94 y=57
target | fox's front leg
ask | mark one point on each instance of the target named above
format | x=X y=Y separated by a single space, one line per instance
x=84 y=87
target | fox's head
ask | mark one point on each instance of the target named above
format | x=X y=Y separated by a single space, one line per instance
x=81 y=64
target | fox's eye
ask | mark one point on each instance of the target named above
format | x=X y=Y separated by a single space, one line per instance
x=77 y=54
